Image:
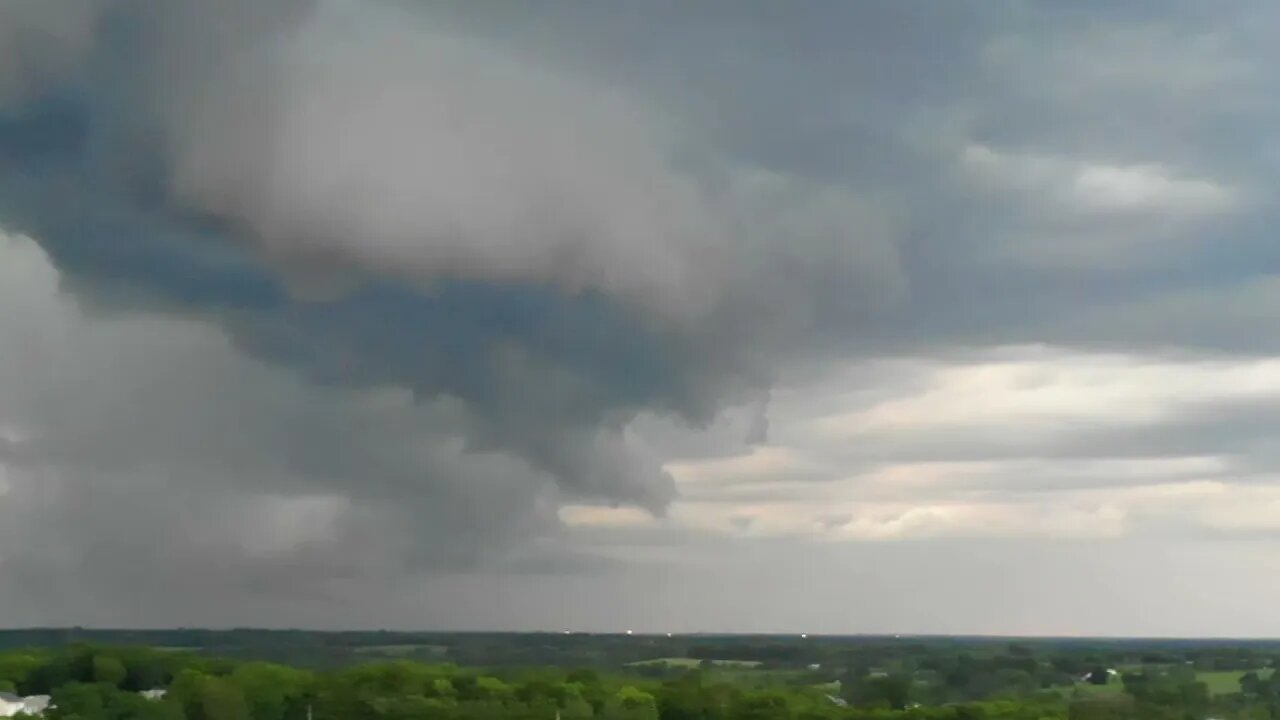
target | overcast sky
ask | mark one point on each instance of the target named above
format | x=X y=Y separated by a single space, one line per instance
x=829 y=316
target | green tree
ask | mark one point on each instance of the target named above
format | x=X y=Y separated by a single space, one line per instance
x=763 y=705
x=631 y=703
x=206 y=697
x=17 y=668
x=221 y=700
x=691 y=697
x=78 y=701
x=1101 y=708
x=273 y=692
x=886 y=691
x=108 y=669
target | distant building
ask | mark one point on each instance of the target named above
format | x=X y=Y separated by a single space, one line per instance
x=156 y=694
x=11 y=705
x=815 y=666
x=1097 y=678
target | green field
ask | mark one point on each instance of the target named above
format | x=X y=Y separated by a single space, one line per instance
x=1219 y=682
x=1226 y=682
x=681 y=662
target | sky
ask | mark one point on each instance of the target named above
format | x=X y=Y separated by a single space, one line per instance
x=872 y=316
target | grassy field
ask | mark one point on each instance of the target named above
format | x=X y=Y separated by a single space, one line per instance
x=1226 y=682
x=1222 y=682
x=679 y=662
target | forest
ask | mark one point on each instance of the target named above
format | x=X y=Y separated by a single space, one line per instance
x=260 y=675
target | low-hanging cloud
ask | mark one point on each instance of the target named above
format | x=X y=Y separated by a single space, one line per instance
x=361 y=136
x=392 y=284
x=40 y=42
x=330 y=303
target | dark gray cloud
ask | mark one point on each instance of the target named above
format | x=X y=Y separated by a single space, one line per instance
x=358 y=294
x=365 y=202
x=41 y=43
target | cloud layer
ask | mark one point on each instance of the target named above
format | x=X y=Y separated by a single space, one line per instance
x=313 y=297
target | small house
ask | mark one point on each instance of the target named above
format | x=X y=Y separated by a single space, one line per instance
x=11 y=705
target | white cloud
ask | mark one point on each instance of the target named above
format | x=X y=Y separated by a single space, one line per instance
x=1088 y=214
x=759 y=463
x=1145 y=188
x=605 y=517
x=974 y=448
x=1036 y=389
x=1088 y=187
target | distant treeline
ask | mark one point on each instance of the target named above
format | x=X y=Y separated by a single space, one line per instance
x=328 y=649
x=882 y=679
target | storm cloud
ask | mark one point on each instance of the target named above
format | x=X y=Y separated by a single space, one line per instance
x=311 y=305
